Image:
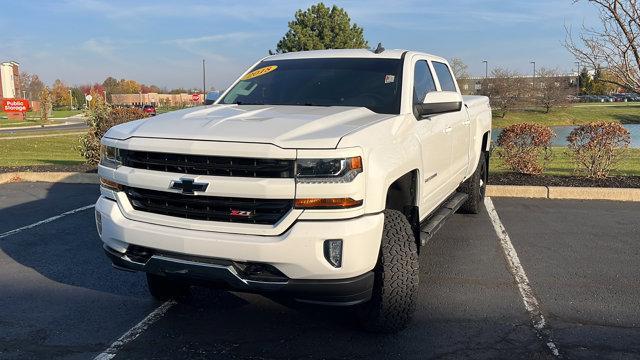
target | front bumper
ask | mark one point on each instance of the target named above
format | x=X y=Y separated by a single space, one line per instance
x=224 y=274
x=298 y=253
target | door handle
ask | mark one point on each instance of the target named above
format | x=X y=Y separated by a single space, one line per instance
x=447 y=130
x=466 y=123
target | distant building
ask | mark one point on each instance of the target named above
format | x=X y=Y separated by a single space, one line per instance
x=155 y=99
x=9 y=80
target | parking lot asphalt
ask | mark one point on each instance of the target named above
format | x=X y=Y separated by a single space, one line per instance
x=60 y=298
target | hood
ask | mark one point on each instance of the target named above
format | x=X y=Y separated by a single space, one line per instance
x=283 y=126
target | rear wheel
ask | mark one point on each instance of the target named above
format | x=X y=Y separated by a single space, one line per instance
x=475 y=187
x=396 y=278
x=163 y=288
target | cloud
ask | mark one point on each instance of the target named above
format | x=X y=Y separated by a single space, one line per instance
x=236 y=36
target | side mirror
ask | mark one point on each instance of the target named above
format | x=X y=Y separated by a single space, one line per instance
x=439 y=102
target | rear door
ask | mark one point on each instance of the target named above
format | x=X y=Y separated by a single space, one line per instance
x=459 y=126
x=434 y=139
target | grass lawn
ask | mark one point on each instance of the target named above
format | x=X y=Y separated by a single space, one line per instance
x=625 y=113
x=34 y=117
x=59 y=150
x=562 y=165
x=39 y=133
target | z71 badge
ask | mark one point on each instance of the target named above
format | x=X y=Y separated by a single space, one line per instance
x=242 y=213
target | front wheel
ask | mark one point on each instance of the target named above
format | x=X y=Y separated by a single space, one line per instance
x=475 y=187
x=396 y=278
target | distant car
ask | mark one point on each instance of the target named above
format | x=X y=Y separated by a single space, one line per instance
x=149 y=109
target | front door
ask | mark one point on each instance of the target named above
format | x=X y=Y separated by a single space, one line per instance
x=434 y=134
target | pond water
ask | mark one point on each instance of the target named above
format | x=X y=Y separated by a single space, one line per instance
x=563 y=131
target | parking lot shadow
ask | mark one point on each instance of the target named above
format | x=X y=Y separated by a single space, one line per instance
x=66 y=250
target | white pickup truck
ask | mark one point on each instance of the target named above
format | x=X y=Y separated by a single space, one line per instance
x=317 y=175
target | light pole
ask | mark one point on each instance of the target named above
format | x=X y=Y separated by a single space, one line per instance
x=534 y=74
x=578 y=78
x=486 y=75
x=204 y=84
x=486 y=69
x=70 y=100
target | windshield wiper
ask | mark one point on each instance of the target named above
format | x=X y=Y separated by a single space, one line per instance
x=312 y=104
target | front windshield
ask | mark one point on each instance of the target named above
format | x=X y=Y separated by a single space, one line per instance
x=371 y=83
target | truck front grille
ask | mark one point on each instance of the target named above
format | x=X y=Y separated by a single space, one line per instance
x=208 y=165
x=209 y=208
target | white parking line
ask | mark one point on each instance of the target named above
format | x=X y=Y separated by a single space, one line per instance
x=135 y=331
x=15 y=231
x=515 y=267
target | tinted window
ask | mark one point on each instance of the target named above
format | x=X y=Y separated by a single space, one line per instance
x=371 y=83
x=422 y=81
x=444 y=76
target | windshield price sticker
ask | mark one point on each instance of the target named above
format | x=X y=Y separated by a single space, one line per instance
x=259 y=72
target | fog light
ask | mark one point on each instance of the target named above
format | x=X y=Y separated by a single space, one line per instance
x=99 y=222
x=333 y=252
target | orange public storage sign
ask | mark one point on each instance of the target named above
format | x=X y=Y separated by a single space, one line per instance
x=15 y=105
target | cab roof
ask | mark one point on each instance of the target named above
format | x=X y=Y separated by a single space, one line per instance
x=347 y=53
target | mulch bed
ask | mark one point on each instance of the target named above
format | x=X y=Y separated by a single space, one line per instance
x=550 y=180
x=83 y=168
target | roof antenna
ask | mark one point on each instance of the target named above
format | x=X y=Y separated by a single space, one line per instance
x=379 y=49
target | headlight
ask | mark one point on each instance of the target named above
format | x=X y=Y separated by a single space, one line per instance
x=110 y=156
x=328 y=170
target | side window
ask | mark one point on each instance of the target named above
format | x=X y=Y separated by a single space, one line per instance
x=422 y=81
x=444 y=76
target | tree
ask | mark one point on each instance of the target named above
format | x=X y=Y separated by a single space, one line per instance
x=320 y=27
x=586 y=81
x=128 y=86
x=615 y=45
x=45 y=104
x=506 y=89
x=60 y=96
x=459 y=68
x=602 y=83
x=31 y=84
x=110 y=85
x=552 y=89
x=77 y=96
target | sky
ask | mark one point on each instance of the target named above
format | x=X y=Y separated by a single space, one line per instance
x=163 y=42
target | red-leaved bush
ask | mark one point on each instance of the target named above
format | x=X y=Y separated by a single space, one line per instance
x=525 y=147
x=100 y=118
x=598 y=147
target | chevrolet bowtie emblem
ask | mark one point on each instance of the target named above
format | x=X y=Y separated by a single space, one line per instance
x=188 y=186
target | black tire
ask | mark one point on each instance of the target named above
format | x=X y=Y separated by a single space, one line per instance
x=396 y=278
x=475 y=187
x=162 y=288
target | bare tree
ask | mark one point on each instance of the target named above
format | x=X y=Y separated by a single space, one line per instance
x=552 y=89
x=459 y=68
x=615 y=45
x=506 y=89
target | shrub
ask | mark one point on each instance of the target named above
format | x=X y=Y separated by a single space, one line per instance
x=598 y=147
x=525 y=147
x=100 y=118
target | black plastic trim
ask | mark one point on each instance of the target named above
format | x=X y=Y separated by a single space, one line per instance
x=221 y=274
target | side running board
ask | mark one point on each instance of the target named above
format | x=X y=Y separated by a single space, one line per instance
x=435 y=221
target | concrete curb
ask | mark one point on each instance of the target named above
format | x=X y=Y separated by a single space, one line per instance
x=535 y=192
x=564 y=192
